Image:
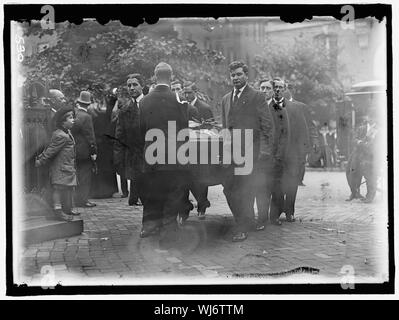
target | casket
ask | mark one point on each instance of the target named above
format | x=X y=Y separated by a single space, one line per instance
x=208 y=168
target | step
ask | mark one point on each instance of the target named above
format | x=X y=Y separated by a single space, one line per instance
x=40 y=229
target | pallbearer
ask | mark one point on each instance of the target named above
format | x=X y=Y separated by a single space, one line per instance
x=289 y=150
x=165 y=183
x=244 y=108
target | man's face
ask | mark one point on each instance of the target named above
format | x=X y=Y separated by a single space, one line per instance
x=177 y=88
x=238 y=77
x=189 y=94
x=134 y=87
x=58 y=102
x=278 y=87
x=267 y=88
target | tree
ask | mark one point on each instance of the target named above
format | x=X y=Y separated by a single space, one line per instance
x=92 y=56
x=310 y=69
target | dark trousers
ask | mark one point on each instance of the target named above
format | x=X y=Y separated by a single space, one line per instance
x=65 y=193
x=302 y=173
x=370 y=174
x=284 y=192
x=84 y=181
x=200 y=193
x=263 y=178
x=354 y=174
x=134 y=186
x=124 y=185
x=163 y=195
x=240 y=196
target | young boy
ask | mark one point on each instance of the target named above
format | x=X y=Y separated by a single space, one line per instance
x=61 y=153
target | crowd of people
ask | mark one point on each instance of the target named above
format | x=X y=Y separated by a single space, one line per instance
x=91 y=142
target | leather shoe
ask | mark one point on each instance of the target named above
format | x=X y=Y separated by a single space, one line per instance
x=276 y=222
x=89 y=204
x=240 y=236
x=182 y=217
x=201 y=215
x=290 y=218
x=148 y=232
x=260 y=227
x=134 y=203
x=73 y=213
x=366 y=200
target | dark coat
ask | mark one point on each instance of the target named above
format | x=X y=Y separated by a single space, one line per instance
x=128 y=147
x=83 y=132
x=61 y=153
x=313 y=134
x=104 y=183
x=250 y=112
x=157 y=108
x=290 y=150
x=204 y=110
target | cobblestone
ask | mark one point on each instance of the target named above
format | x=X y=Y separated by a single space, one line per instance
x=329 y=233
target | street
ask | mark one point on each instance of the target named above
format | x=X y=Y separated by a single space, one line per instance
x=330 y=238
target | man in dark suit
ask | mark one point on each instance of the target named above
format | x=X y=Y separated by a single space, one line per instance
x=203 y=112
x=165 y=180
x=86 y=149
x=264 y=174
x=313 y=134
x=128 y=144
x=289 y=150
x=203 y=109
x=245 y=108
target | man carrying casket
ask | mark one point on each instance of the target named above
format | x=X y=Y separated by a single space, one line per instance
x=245 y=108
x=165 y=180
x=198 y=111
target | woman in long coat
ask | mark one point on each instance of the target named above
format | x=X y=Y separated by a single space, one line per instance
x=104 y=183
x=128 y=148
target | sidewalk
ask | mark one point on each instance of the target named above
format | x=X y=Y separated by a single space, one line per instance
x=328 y=236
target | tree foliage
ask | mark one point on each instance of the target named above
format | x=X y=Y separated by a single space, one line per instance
x=108 y=54
x=310 y=68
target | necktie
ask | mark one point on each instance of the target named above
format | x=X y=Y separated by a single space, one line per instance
x=235 y=99
x=278 y=105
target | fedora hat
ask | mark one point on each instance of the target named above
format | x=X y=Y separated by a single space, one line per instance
x=84 y=97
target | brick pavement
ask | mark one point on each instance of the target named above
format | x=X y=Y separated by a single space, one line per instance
x=328 y=235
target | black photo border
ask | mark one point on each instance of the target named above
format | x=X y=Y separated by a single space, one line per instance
x=135 y=14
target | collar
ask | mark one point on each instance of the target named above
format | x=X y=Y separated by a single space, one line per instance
x=141 y=96
x=268 y=101
x=163 y=85
x=52 y=109
x=278 y=102
x=240 y=90
x=290 y=99
x=194 y=101
x=83 y=109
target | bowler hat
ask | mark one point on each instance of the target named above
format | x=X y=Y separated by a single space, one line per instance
x=84 y=97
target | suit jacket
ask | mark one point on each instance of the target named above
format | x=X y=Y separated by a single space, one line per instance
x=156 y=109
x=60 y=153
x=128 y=146
x=313 y=134
x=291 y=148
x=83 y=133
x=204 y=110
x=250 y=112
